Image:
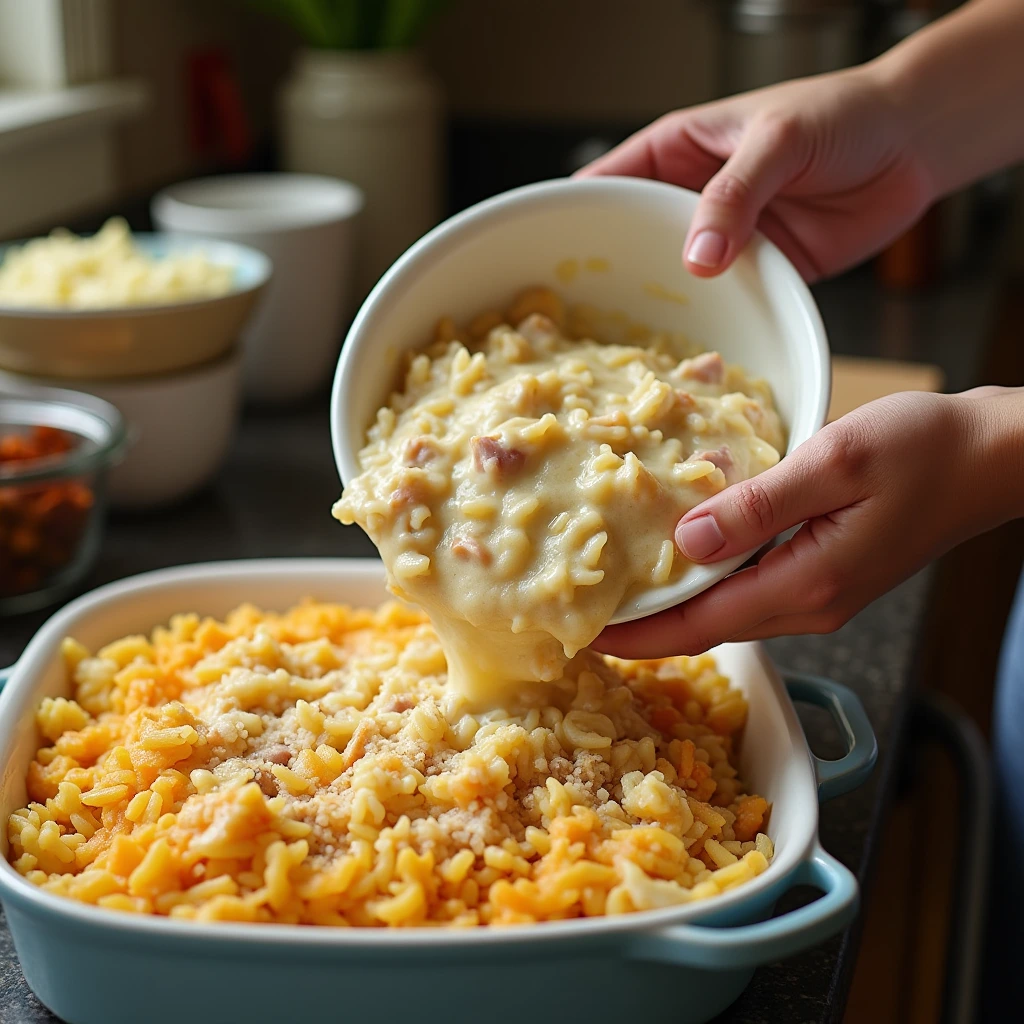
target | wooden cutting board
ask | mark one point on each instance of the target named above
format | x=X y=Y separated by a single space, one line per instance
x=857 y=381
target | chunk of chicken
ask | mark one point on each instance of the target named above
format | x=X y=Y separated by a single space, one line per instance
x=491 y=456
x=722 y=459
x=421 y=450
x=469 y=549
x=707 y=368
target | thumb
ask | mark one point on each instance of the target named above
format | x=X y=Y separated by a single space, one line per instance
x=768 y=157
x=808 y=483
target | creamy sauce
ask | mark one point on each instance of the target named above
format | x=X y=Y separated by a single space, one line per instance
x=521 y=484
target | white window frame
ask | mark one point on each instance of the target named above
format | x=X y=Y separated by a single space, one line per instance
x=59 y=106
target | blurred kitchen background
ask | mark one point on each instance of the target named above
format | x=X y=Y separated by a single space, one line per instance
x=429 y=107
x=106 y=100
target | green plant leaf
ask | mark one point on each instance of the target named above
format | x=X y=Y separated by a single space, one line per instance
x=355 y=24
x=405 y=21
x=343 y=16
x=371 y=14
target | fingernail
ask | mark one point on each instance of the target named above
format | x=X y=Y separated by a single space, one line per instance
x=699 y=538
x=707 y=249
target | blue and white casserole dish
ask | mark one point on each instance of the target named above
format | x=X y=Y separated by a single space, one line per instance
x=685 y=964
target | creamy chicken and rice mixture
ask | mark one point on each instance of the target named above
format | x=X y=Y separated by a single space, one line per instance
x=521 y=483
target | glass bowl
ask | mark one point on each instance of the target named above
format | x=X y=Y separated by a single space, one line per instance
x=55 y=449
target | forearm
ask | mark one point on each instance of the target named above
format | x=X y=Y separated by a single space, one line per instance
x=995 y=432
x=960 y=83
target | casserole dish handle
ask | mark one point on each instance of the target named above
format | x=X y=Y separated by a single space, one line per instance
x=838 y=777
x=750 y=945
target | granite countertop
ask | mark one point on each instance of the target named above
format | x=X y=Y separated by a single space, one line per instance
x=273 y=499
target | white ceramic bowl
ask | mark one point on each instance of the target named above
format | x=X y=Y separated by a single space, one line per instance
x=759 y=313
x=132 y=341
x=181 y=425
x=306 y=224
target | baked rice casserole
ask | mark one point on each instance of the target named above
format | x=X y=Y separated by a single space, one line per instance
x=314 y=767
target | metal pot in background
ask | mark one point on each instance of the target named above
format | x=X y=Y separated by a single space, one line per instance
x=769 y=41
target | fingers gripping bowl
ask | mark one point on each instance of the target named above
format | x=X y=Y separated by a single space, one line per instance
x=610 y=247
x=93 y=965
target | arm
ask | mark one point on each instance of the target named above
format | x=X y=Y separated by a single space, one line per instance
x=960 y=83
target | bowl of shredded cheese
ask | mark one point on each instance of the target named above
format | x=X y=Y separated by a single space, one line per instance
x=117 y=304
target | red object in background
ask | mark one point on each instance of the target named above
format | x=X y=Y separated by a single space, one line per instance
x=219 y=126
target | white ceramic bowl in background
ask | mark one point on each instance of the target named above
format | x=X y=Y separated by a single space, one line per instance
x=132 y=341
x=306 y=224
x=759 y=313
x=181 y=427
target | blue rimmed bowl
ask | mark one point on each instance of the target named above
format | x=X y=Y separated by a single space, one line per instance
x=685 y=964
x=136 y=341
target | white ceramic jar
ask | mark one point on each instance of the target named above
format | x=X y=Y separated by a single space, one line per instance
x=306 y=224
x=372 y=118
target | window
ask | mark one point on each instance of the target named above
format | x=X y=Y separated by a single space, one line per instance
x=59 y=103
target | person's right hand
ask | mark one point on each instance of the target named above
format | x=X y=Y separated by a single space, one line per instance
x=824 y=166
x=880 y=493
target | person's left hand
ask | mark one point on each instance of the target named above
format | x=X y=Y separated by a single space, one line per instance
x=881 y=492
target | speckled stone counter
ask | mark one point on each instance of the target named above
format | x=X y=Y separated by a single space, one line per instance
x=273 y=499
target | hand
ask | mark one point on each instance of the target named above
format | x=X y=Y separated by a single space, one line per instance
x=822 y=166
x=881 y=492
